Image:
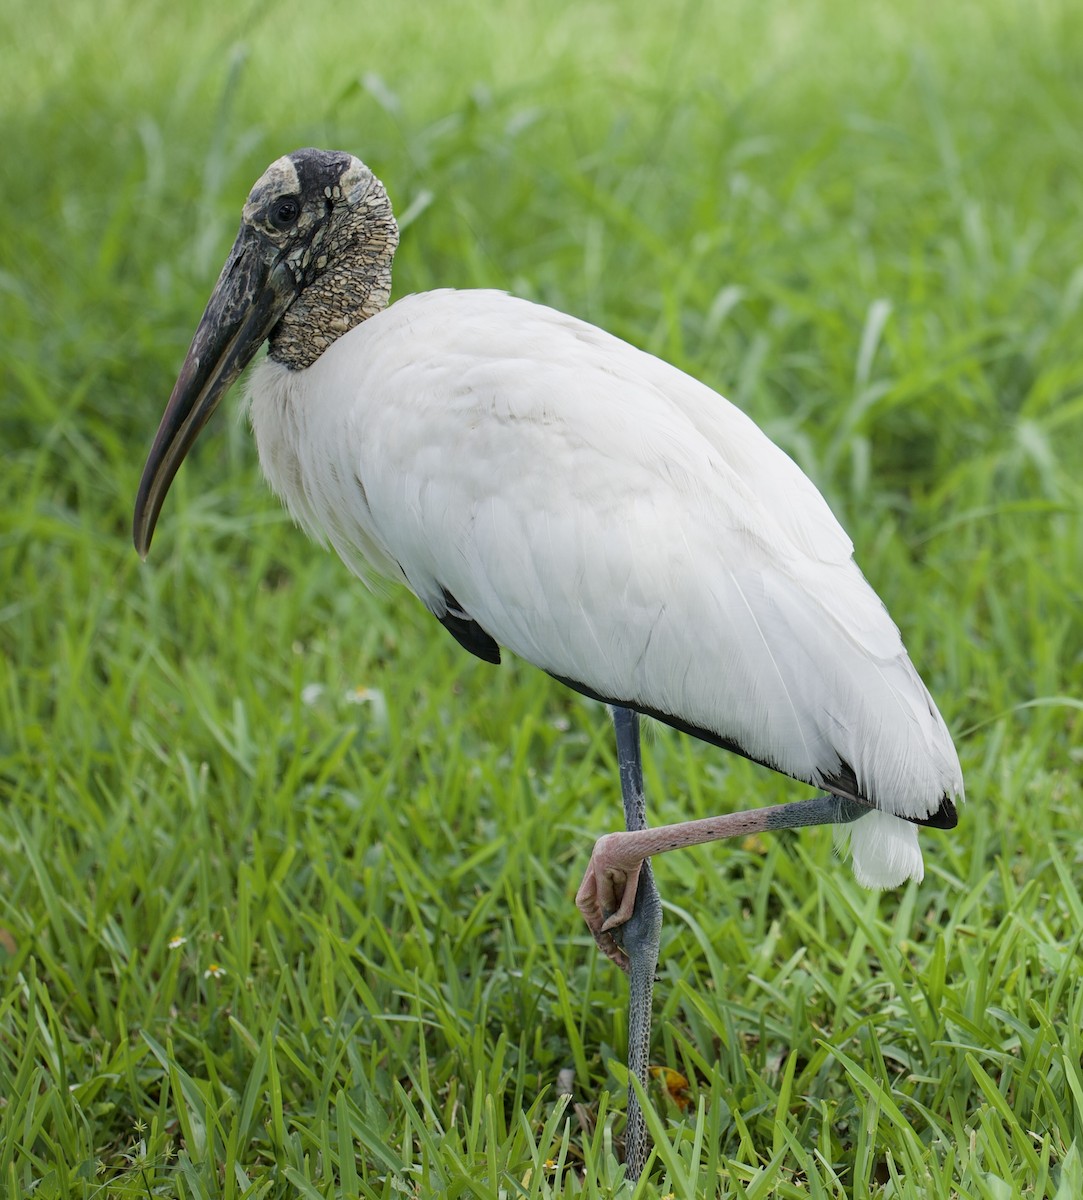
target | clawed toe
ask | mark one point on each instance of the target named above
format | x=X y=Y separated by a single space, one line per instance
x=609 y=946
x=606 y=897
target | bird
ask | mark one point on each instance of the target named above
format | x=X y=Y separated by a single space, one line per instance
x=544 y=488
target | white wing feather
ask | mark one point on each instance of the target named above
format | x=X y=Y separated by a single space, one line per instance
x=615 y=522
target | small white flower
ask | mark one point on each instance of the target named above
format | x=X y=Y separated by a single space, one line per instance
x=373 y=697
x=214 y=971
x=176 y=941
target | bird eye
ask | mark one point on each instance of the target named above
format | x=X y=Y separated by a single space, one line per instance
x=285 y=212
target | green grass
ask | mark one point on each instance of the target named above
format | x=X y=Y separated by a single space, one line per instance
x=286 y=879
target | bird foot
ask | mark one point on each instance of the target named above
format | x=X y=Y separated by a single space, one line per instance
x=607 y=895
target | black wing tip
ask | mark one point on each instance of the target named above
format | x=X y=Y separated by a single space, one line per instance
x=467 y=632
x=844 y=783
x=945 y=817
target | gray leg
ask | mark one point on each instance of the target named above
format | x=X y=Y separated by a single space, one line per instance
x=639 y=938
x=620 y=903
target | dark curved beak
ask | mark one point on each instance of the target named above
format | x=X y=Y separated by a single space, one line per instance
x=252 y=293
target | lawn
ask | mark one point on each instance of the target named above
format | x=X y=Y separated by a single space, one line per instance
x=287 y=878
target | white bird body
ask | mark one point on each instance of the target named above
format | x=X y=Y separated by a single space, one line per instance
x=543 y=486
x=620 y=525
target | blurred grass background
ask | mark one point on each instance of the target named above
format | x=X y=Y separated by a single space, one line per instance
x=286 y=879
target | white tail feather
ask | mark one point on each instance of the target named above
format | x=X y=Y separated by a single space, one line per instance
x=885 y=851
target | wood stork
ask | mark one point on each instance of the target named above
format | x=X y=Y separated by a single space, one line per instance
x=542 y=486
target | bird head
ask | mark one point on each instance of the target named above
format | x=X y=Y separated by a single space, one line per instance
x=290 y=277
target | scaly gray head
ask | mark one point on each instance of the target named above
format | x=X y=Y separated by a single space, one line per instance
x=312 y=260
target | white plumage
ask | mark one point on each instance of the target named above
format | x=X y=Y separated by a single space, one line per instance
x=615 y=522
x=543 y=486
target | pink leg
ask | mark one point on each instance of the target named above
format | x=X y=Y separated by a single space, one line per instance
x=608 y=891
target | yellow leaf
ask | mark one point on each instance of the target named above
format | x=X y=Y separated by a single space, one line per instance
x=675 y=1085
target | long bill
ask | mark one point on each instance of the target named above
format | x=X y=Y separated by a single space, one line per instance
x=252 y=293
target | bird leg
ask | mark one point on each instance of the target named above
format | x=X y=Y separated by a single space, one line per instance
x=639 y=937
x=620 y=903
x=597 y=891
x=607 y=895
